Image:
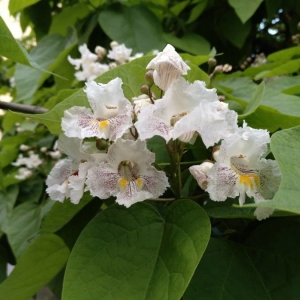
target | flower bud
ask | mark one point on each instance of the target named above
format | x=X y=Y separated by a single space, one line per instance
x=100 y=51
x=149 y=78
x=216 y=151
x=145 y=89
x=199 y=172
x=24 y=147
x=218 y=69
x=114 y=44
x=212 y=62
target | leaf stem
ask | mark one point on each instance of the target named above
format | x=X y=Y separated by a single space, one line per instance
x=29 y=109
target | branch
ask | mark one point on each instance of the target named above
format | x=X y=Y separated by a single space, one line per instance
x=29 y=109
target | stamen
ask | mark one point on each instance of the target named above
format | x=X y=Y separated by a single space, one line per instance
x=103 y=125
x=139 y=183
x=122 y=184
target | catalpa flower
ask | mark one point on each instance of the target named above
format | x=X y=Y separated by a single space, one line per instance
x=241 y=170
x=127 y=174
x=109 y=117
x=185 y=109
x=120 y=53
x=168 y=66
x=67 y=178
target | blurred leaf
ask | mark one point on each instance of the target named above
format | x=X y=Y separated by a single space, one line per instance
x=61 y=213
x=177 y=8
x=42 y=261
x=196 y=60
x=197 y=11
x=22 y=227
x=136 y=254
x=8 y=154
x=245 y=9
x=285 y=84
x=135 y=26
x=284 y=55
x=255 y=101
x=289 y=67
x=68 y=17
x=18 y=5
x=234 y=30
x=158 y=145
x=7 y=201
x=48 y=53
x=265 y=267
x=191 y=43
x=12 y=49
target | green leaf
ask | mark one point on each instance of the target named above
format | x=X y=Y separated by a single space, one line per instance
x=191 y=43
x=135 y=254
x=68 y=17
x=133 y=76
x=285 y=146
x=197 y=11
x=61 y=213
x=179 y=7
x=265 y=267
x=12 y=49
x=3 y=264
x=245 y=9
x=18 y=5
x=284 y=55
x=255 y=101
x=42 y=261
x=234 y=31
x=135 y=26
x=285 y=84
x=48 y=54
x=22 y=227
x=7 y=201
x=289 y=67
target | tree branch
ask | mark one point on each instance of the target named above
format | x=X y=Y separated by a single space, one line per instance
x=29 y=109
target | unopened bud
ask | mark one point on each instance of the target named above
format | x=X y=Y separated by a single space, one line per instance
x=216 y=151
x=145 y=89
x=112 y=65
x=212 y=62
x=149 y=78
x=218 y=69
x=114 y=44
x=102 y=144
x=227 y=68
x=298 y=26
x=100 y=51
x=222 y=98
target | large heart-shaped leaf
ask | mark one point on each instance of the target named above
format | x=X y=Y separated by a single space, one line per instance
x=135 y=254
x=266 y=267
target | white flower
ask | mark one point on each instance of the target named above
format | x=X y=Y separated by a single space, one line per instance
x=89 y=65
x=127 y=174
x=185 y=109
x=139 y=102
x=200 y=173
x=31 y=162
x=67 y=178
x=55 y=154
x=23 y=173
x=87 y=57
x=241 y=170
x=24 y=147
x=109 y=117
x=91 y=71
x=120 y=53
x=168 y=66
x=135 y=56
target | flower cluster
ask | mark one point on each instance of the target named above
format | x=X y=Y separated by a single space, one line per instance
x=123 y=168
x=89 y=67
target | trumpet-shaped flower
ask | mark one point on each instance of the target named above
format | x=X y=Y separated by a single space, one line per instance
x=240 y=169
x=127 y=174
x=88 y=62
x=67 y=178
x=168 y=66
x=120 y=53
x=109 y=118
x=187 y=108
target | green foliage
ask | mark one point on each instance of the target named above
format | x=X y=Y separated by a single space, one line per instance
x=252 y=270
x=48 y=252
x=245 y=9
x=135 y=254
x=134 y=26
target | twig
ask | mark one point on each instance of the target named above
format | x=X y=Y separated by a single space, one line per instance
x=29 y=109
